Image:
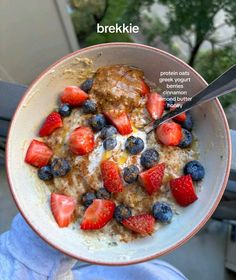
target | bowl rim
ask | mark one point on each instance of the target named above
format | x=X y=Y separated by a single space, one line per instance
x=194 y=230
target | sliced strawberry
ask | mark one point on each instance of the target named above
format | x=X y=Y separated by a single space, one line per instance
x=155 y=105
x=151 y=179
x=144 y=88
x=183 y=190
x=98 y=214
x=120 y=120
x=180 y=118
x=143 y=224
x=52 y=122
x=73 y=96
x=111 y=176
x=169 y=133
x=38 y=154
x=62 y=207
x=81 y=141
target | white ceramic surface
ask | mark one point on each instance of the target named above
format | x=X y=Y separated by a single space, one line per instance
x=31 y=194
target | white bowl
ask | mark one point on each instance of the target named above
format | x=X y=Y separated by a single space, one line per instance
x=31 y=194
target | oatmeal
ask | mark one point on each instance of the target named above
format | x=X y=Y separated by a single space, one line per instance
x=103 y=170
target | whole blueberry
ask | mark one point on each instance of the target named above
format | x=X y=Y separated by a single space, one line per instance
x=195 y=169
x=134 y=145
x=102 y=193
x=188 y=123
x=97 y=122
x=64 y=110
x=108 y=131
x=60 y=167
x=169 y=103
x=87 y=85
x=187 y=139
x=109 y=143
x=130 y=174
x=45 y=173
x=122 y=212
x=149 y=158
x=162 y=212
x=88 y=198
x=89 y=107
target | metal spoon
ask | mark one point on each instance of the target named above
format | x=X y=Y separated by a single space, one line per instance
x=226 y=83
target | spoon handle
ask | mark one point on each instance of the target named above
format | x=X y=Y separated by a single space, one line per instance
x=222 y=85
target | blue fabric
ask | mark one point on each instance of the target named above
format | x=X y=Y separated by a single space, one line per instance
x=25 y=256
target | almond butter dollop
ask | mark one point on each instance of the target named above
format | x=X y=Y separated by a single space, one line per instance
x=117 y=86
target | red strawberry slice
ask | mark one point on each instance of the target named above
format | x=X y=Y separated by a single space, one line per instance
x=144 y=88
x=180 y=118
x=120 y=120
x=111 y=176
x=143 y=224
x=169 y=133
x=98 y=214
x=74 y=96
x=81 y=141
x=52 y=122
x=62 y=207
x=183 y=190
x=152 y=178
x=38 y=154
x=155 y=105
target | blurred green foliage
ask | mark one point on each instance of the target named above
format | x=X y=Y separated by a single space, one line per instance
x=114 y=12
x=134 y=10
x=211 y=64
x=85 y=14
x=193 y=22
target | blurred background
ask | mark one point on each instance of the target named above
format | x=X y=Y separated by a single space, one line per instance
x=33 y=34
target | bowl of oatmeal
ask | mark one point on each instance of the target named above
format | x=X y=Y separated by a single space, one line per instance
x=86 y=176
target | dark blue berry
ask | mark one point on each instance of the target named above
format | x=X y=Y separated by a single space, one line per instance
x=97 y=122
x=87 y=85
x=89 y=107
x=130 y=174
x=149 y=158
x=108 y=131
x=169 y=103
x=162 y=212
x=186 y=139
x=88 y=198
x=195 y=169
x=60 y=167
x=188 y=123
x=122 y=212
x=45 y=173
x=65 y=110
x=109 y=143
x=102 y=193
x=134 y=145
